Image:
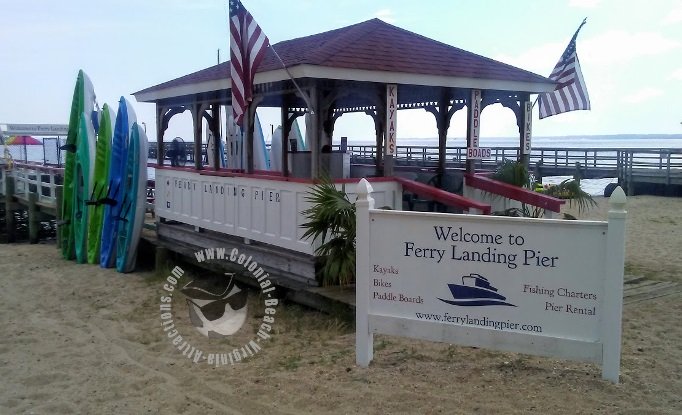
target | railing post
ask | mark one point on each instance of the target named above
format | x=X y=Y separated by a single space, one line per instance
x=364 y=339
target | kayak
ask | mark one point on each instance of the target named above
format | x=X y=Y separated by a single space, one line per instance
x=83 y=101
x=101 y=183
x=134 y=187
x=125 y=118
x=83 y=175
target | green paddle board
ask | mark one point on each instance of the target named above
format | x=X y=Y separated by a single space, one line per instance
x=83 y=100
x=83 y=185
x=101 y=183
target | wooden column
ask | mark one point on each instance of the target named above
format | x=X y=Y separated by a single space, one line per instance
x=315 y=122
x=473 y=126
x=160 y=151
x=286 y=128
x=247 y=137
x=214 y=126
x=443 y=114
x=524 y=121
x=390 y=127
x=197 y=124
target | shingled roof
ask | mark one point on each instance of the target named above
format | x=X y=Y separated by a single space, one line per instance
x=377 y=47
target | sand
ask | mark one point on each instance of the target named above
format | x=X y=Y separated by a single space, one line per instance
x=79 y=339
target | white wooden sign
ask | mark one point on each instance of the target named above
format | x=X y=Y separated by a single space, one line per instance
x=478 y=153
x=539 y=286
x=34 y=129
x=391 y=118
x=527 y=127
x=474 y=118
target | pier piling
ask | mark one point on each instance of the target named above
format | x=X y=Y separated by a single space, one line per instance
x=58 y=192
x=33 y=218
x=9 y=209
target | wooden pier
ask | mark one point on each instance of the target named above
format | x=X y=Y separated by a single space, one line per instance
x=35 y=188
x=637 y=170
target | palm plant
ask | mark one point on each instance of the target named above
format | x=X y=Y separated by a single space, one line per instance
x=516 y=173
x=512 y=172
x=570 y=190
x=331 y=222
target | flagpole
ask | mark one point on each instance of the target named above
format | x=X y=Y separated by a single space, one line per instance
x=303 y=95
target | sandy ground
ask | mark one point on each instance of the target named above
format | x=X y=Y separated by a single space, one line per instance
x=79 y=339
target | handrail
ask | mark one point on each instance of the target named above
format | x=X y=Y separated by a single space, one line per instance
x=593 y=157
x=514 y=192
x=442 y=196
x=28 y=175
x=39 y=167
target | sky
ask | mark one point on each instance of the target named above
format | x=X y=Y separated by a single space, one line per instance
x=630 y=53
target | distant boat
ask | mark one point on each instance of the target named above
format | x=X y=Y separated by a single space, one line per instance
x=475 y=290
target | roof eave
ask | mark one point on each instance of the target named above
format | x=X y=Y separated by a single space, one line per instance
x=362 y=75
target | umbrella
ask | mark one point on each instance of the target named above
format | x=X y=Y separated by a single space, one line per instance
x=24 y=140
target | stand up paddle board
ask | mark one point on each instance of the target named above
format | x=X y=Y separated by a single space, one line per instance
x=125 y=118
x=83 y=101
x=135 y=199
x=101 y=182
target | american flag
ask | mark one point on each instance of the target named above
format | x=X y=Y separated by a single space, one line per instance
x=247 y=48
x=570 y=93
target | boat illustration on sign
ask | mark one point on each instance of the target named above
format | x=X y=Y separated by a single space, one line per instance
x=475 y=290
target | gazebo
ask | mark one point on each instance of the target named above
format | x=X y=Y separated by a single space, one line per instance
x=354 y=69
x=370 y=67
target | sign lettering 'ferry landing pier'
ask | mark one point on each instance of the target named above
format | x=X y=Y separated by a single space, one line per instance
x=539 y=286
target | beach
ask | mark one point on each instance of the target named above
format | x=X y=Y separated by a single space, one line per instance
x=81 y=339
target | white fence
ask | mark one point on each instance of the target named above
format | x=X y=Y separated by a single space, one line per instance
x=34 y=178
x=262 y=209
x=540 y=286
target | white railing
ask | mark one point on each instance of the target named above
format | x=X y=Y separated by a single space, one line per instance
x=35 y=178
x=260 y=208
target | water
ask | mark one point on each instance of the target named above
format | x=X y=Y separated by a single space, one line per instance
x=591 y=186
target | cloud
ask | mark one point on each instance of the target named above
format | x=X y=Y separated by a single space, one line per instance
x=677 y=74
x=386 y=15
x=584 y=4
x=674 y=16
x=641 y=95
x=604 y=49
x=618 y=46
